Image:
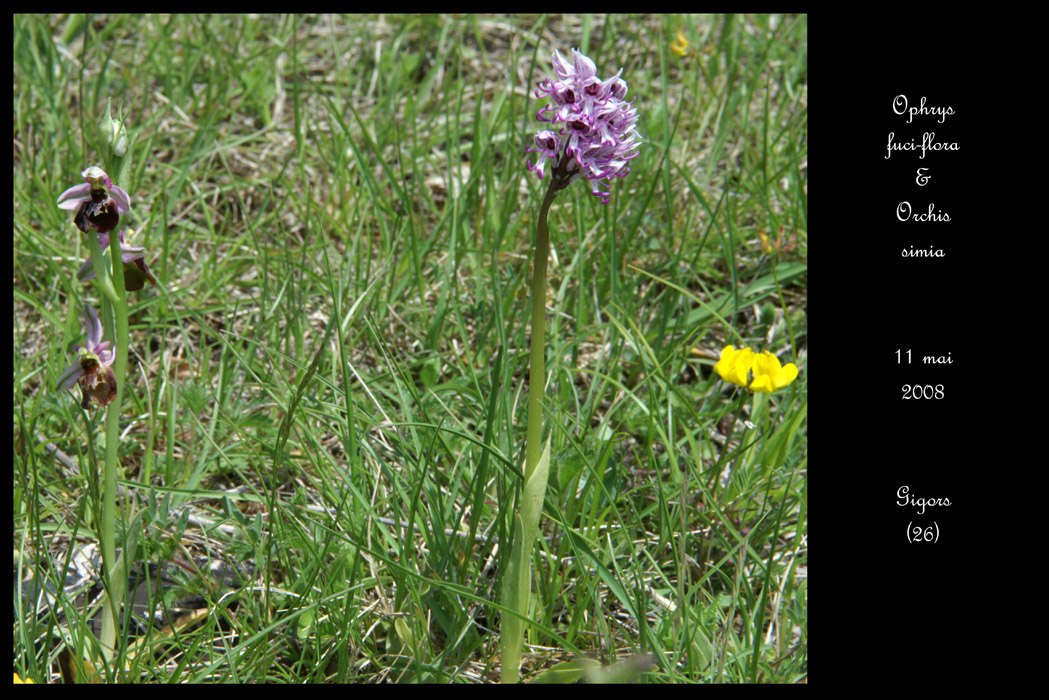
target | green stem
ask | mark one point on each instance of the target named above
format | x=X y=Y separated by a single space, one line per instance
x=115 y=584
x=537 y=368
x=517 y=589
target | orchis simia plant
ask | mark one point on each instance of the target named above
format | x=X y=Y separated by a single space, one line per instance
x=101 y=365
x=591 y=135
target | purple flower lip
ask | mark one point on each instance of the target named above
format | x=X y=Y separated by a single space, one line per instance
x=98 y=202
x=594 y=124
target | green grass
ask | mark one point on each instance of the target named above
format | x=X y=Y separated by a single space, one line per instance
x=333 y=370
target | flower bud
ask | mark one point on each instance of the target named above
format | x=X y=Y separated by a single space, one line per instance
x=114 y=133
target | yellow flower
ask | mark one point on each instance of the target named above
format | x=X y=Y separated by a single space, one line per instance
x=18 y=681
x=735 y=364
x=765 y=245
x=769 y=375
x=680 y=45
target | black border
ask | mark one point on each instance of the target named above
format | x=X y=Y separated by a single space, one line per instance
x=880 y=597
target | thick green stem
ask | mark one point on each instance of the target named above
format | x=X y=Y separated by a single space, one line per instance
x=517 y=586
x=115 y=583
x=537 y=368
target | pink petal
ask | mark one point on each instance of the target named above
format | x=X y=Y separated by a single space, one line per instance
x=86 y=271
x=81 y=192
x=561 y=66
x=584 y=67
x=71 y=375
x=94 y=172
x=121 y=198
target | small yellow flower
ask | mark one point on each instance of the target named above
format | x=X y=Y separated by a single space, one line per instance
x=781 y=244
x=19 y=681
x=735 y=364
x=680 y=45
x=769 y=375
x=766 y=247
